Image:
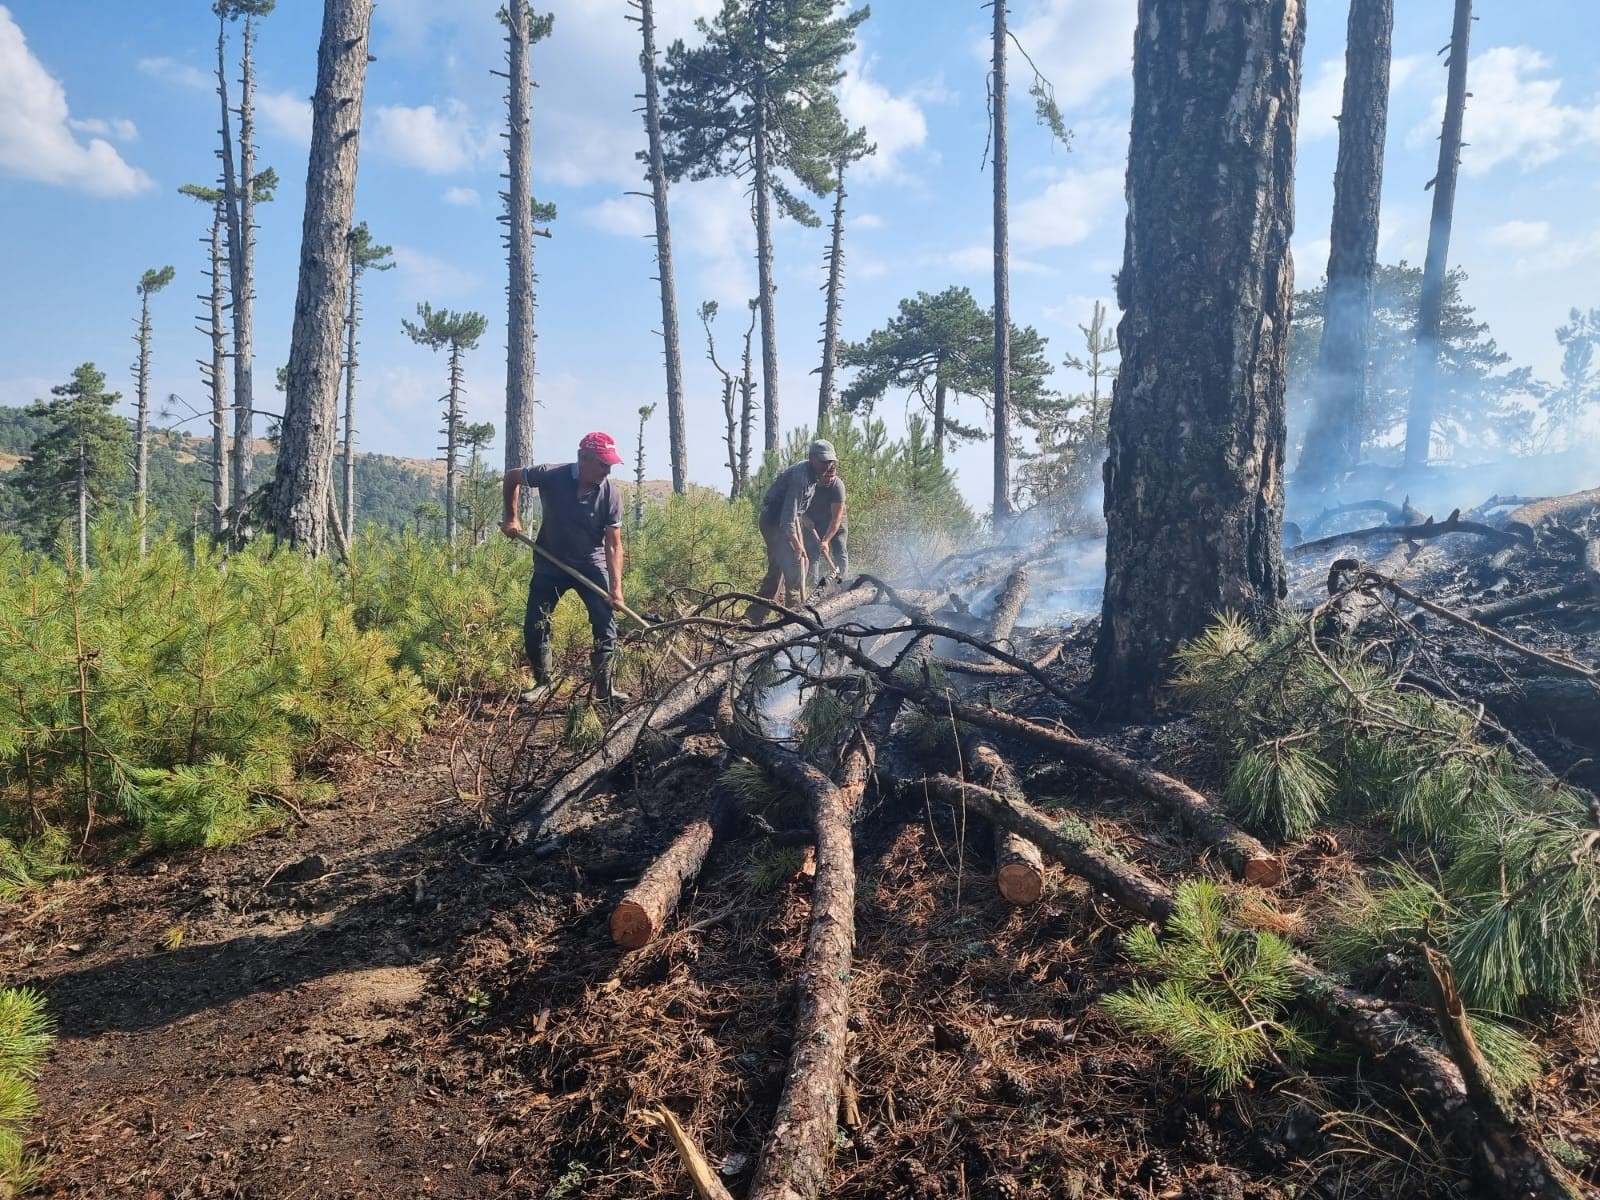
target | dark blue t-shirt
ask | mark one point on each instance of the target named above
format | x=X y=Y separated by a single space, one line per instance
x=573 y=527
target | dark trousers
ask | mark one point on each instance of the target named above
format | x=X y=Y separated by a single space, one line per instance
x=548 y=586
x=839 y=544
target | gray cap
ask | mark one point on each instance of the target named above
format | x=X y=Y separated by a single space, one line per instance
x=823 y=449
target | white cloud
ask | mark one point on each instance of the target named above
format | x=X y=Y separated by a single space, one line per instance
x=432 y=277
x=287 y=115
x=118 y=128
x=625 y=216
x=462 y=197
x=437 y=140
x=978 y=259
x=1322 y=99
x=866 y=221
x=894 y=123
x=1512 y=115
x=1081 y=46
x=36 y=140
x=182 y=74
x=1518 y=235
x=1067 y=211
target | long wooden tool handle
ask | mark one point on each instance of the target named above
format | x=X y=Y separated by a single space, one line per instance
x=596 y=589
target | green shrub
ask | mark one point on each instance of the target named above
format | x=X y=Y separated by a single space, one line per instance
x=25 y=1034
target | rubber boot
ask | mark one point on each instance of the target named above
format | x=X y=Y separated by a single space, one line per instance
x=600 y=666
x=543 y=668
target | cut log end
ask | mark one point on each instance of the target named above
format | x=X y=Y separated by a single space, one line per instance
x=1264 y=872
x=631 y=925
x=1020 y=883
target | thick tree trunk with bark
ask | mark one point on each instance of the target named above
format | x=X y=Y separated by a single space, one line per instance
x=766 y=286
x=348 y=464
x=1194 y=478
x=303 y=484
x=1430 y=307
x=519 y=237
x=141 y=428
x=1333 y=440
x=217 y=379
x=1002 y=281
x=940 y=406
x=830 y=317
x=677 y=435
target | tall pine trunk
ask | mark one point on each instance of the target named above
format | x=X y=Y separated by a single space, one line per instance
x=1333 y=438
x=244 y=298
x=230 y=210
x=83 y=506
x=940 y=394
x=141 y=429
x=1419 y=419
x=519 y=235
x=677 y=435
x=1002 y=282
x=217 y=377
x=766 y=288
x=303 y=485
x=830 y=318
x=1194 y=479
x=747 y=414
x=452 y=429
x=352 y=323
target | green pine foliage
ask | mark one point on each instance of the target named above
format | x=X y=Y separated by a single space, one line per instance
x=26 y=1032
x=1511 y=885
x=1220 y=996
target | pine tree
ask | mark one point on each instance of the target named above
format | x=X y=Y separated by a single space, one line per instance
x=439 y=329
x=481 y=491
x=1072 y=444
x=524 y=28
x=215 y=373
x=655 y=161
x=302 y=491
x=855 y=147
x=645 y=410
x=730 y=392
x=756 y=99
x=1579 y=390
x=365 y=255
x=1419 y=421
x=149 y=284
x=79 y=460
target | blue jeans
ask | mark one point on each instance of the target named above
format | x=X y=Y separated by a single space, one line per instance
x=549 y=584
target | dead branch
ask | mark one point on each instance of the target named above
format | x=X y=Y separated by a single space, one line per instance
x=1559 y=509
x=706 y=1184
x=1516 y=1162
x=1428 y=529
x=641 y=914
x=1535 y=601
x=794 y=1161
x=997 y=669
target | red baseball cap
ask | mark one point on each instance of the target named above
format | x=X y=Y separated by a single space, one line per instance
x=602 y=445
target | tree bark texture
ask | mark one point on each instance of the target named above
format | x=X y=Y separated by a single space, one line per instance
x=765 y=284
x=1194 y=476
x=244 y=297
x=1430 y=306
x=1002 y=281
x=352 y=322
x=794 y=1160
x=1333 y=440
x=303 y=482
x=217 y=378
x=519 y=238
x=830 y=317
x=641 y=914
x=747 y=407
x=141 y=435
x=230 y=209
x=940 y=400
x=672 y=347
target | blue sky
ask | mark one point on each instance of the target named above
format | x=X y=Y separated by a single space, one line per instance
x=106 y=108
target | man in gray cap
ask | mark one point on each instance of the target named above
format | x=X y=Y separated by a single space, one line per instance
x=782 y=508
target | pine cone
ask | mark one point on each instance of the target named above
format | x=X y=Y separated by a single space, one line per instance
x=1091 y=1064
x=1013 y=1087
x=1199 y=1138
x=1155 y=1171
x=1324 y=843
x=951 y=1037
x=1001 y=1187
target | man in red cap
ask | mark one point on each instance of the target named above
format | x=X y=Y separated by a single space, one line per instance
x=581 y=525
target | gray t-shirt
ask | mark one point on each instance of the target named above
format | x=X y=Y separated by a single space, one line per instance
x=573 y=527
x=788 y=496
x=823 y=498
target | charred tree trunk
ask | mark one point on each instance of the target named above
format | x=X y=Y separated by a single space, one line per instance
x=1194 y=480
x=303 y=483
x=519 y=236
x=1333 y=440
x=352 y=323
x=1430 y=308
x=830 y=319
x=217 y=380
x=1002 y=282
x=940 y=403
x=141 y=428
x=766 y=287
x=677 y=436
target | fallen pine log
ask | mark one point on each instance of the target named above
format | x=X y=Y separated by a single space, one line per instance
x=642 y=913
x=1560 y=509
x=681 y=697
x=1427 y=529
x=1515 y=606
x=794 y=1161
x=961 y=667
x=1516 y=1163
